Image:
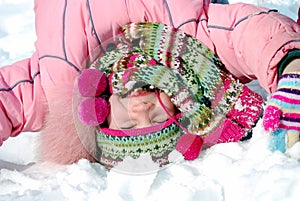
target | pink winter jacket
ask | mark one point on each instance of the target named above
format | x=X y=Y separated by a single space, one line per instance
x=36 y=93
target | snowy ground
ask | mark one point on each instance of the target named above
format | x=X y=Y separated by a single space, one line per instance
x=245 y=171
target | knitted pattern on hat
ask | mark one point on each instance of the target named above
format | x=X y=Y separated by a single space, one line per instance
x=180 y=66
x=213 y=104
x=159 y=144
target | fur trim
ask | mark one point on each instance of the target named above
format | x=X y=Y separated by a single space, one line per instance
x=64 y=139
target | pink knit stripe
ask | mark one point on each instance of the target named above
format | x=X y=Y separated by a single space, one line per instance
x=290 y=127
x=290 y=95
x=286 y=110
x=286 y=99
x=292 y=115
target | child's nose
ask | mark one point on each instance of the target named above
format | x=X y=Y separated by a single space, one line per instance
x=140 y=113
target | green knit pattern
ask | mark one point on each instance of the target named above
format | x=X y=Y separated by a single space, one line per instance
x=176 y=63
x=158 y=144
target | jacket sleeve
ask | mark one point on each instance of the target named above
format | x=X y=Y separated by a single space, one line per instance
x=21 y=99
x=252 y=40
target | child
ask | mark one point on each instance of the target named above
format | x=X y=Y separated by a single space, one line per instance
x=251 y=42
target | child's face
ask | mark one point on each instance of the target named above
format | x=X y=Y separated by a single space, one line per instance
x=140 y=109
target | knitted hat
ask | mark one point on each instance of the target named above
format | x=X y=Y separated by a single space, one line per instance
x=214 y=107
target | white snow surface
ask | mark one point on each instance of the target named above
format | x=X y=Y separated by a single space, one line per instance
x=241 y=171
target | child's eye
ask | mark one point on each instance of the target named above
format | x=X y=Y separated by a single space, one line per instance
x=160 y=120
x=127 y=127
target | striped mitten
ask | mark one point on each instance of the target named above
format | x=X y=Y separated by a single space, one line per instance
x=282 y=114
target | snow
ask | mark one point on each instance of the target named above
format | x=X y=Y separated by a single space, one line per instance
x=245 y=171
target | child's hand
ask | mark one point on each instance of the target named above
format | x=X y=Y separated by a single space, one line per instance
x=282 y=114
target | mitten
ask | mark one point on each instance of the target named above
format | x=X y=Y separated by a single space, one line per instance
x=282 y=114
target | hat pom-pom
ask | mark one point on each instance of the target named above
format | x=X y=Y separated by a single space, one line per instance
x=189 y=146
x=92 y=82
x=93 y=111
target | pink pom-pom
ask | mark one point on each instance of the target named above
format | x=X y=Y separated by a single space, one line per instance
x=189 y=146
x=271 y=119
x=92 y=82
x=93 y=111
